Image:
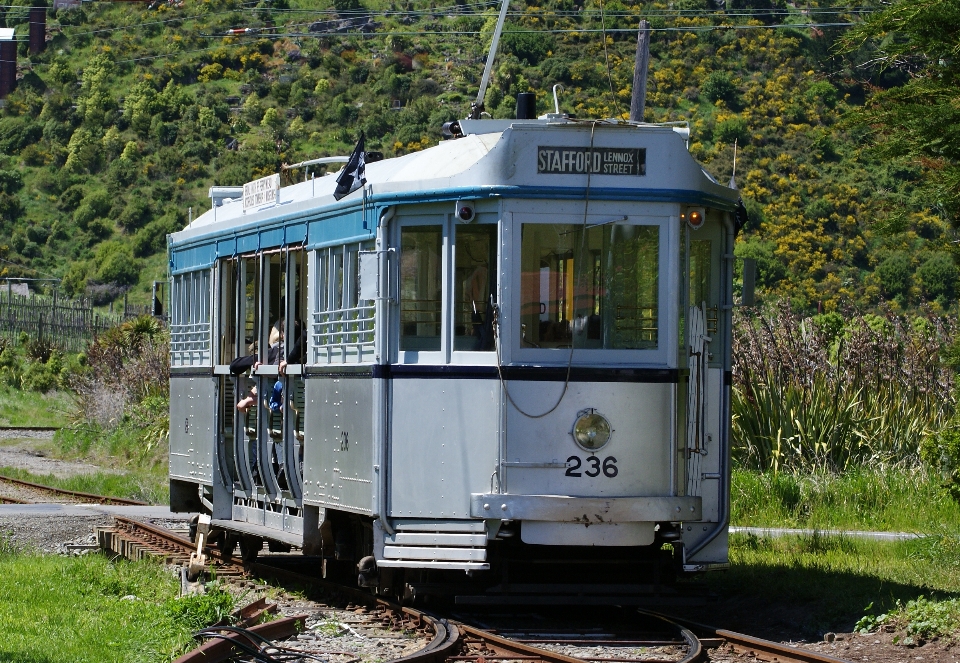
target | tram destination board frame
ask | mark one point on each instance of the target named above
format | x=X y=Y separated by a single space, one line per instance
x=566 y=160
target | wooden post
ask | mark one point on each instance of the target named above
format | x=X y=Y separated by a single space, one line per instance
x=638 y=99
x=38 y=29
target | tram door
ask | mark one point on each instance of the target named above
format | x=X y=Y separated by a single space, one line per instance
x=284 y=299
x=263 y=302
x=238 y=425
x=704 y=365
x=296 y=353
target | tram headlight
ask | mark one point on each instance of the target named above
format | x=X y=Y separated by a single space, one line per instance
x=591 y=430
x=694 y=216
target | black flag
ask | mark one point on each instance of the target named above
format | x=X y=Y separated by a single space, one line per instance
x=354 y=174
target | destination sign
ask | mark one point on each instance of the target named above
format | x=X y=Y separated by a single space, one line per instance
x=599 y=161
x=264 y=191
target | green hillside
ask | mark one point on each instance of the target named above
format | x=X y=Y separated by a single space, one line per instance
x=135 y=109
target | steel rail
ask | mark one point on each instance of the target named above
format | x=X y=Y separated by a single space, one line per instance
x=765 y=650
x=90 y=497
x=223 y=649
x=451 y=640
x=454 y=640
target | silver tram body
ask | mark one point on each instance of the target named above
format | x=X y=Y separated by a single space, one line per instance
x=439 y=304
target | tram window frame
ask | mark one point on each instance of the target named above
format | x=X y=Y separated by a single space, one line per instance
x=227 y=348
x=599 y=218
x=298 y=301
x=486 y=354
x=272 y=307
x=334 y=308
x=192 y=344
x=441 y=353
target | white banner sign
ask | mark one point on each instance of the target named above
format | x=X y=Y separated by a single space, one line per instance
x=264 y=191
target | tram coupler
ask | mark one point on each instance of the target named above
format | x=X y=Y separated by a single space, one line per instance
x=198 y=560
x=368 y=575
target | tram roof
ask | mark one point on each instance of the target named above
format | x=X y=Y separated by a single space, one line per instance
x=494 y=158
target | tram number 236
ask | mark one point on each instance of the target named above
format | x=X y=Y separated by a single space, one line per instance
x=608 y=466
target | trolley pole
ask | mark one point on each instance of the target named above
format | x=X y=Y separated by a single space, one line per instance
x=638 y=99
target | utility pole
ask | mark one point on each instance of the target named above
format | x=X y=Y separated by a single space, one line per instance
x=638 y=99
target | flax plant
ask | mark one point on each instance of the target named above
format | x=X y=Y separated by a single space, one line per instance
x=826 y=393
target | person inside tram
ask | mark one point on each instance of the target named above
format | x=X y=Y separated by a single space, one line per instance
x=297 y=350
x=240 y=366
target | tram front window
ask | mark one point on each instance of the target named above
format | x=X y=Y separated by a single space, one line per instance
x=592 y=288
x=420 y=287
x=475 y=257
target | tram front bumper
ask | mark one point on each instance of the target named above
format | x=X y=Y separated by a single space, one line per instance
x=585 y=510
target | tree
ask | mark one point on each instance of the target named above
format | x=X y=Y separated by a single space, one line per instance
x=918 y=122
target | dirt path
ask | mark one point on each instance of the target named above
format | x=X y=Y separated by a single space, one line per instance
x=27 y=450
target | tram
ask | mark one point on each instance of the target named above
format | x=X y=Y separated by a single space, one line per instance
x=502 y=358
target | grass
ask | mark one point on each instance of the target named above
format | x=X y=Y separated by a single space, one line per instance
x=143 y=486
x=883 y=499
x=30 y=408
x=87 y=609
x=832 y=581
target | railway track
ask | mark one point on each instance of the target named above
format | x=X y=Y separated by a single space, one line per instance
x=451 y=640
x=60 y=494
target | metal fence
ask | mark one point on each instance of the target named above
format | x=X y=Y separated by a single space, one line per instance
x=67 y=324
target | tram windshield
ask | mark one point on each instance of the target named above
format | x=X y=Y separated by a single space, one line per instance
x=590 y=287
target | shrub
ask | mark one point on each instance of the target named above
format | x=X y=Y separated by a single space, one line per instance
x=95 y=204
x=346 y=5
x=895 y=274
x=114 y=263
x=11 y=181
x=938 y=276
x=528 y=46
x=719 y=87
x=823 y=92
x=75 y=280
x=152 y=238
x=136 y=214
x=18 y=132
x=127 y=364
x=70 y=199
x=941 y=452
x=210 y=73
x=730 y=130
x=10 y=207
x=770 y=269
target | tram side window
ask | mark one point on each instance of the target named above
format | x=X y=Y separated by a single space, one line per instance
x=475 y=259
x=190 y=334
x=593 y=288
x=228 y=303
x=341 y=321
x=250 y=286
x=275 y=275
x=420 y=287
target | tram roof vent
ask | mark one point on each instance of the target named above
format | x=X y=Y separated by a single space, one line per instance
x=220 y=195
